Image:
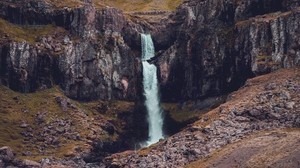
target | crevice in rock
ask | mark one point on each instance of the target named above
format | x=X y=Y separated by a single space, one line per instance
x=4 y=69
x=261 y=7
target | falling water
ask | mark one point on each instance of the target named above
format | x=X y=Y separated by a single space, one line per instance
x=155 y=119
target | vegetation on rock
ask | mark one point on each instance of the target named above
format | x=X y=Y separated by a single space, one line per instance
x=142 y=5
x=47 y=124
x=29 y=33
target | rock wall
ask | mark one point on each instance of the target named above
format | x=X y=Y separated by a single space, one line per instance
x=204 y=48
x=96 y=57
x=211 y=47
x=23 y=68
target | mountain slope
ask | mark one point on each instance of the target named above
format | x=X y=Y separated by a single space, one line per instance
x=277 y=148
x=48 y=124
x=265 y=103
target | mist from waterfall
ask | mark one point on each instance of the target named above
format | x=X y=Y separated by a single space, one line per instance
x=150 y=84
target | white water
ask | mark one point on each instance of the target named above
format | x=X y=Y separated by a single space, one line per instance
x=155 y=119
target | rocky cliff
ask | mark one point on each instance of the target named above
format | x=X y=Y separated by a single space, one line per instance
x=211 y=47
x=204 y=48
x=95 y=56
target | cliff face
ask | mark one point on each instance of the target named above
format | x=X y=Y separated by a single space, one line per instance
x=204 y=48
x=93 y=58
x=211 y=47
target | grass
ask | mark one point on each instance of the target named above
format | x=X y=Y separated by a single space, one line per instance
x=266 y=61
x=145 y=151
x=65 y=3
x=85 y=119
x=174 y=4
x=190 y=112
x=263 y=58
x=25 y=33
x=140 y=5
x=181 y=115
x=110 y=111
x=12 y=105
x=125 y=5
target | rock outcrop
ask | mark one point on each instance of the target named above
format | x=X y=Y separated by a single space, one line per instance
x=94 y=58
x=264 y=103
x=211 y=47
x=8 y=159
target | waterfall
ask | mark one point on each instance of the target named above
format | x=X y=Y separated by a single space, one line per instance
x=150 y=84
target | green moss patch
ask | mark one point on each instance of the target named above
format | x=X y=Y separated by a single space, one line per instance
x=25 y=33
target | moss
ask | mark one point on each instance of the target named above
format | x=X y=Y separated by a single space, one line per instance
x=111 y=110
x=263 y=58
x=190 y=111
x=173 y=4
x=145 y=151
x=68 y=149
x=178 y=114
x=139 y=5
x=182 y=114
x=65 y=3
x=27 y=33
x=266 y=62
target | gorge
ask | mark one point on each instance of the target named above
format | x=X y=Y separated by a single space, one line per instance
x=77 y=78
